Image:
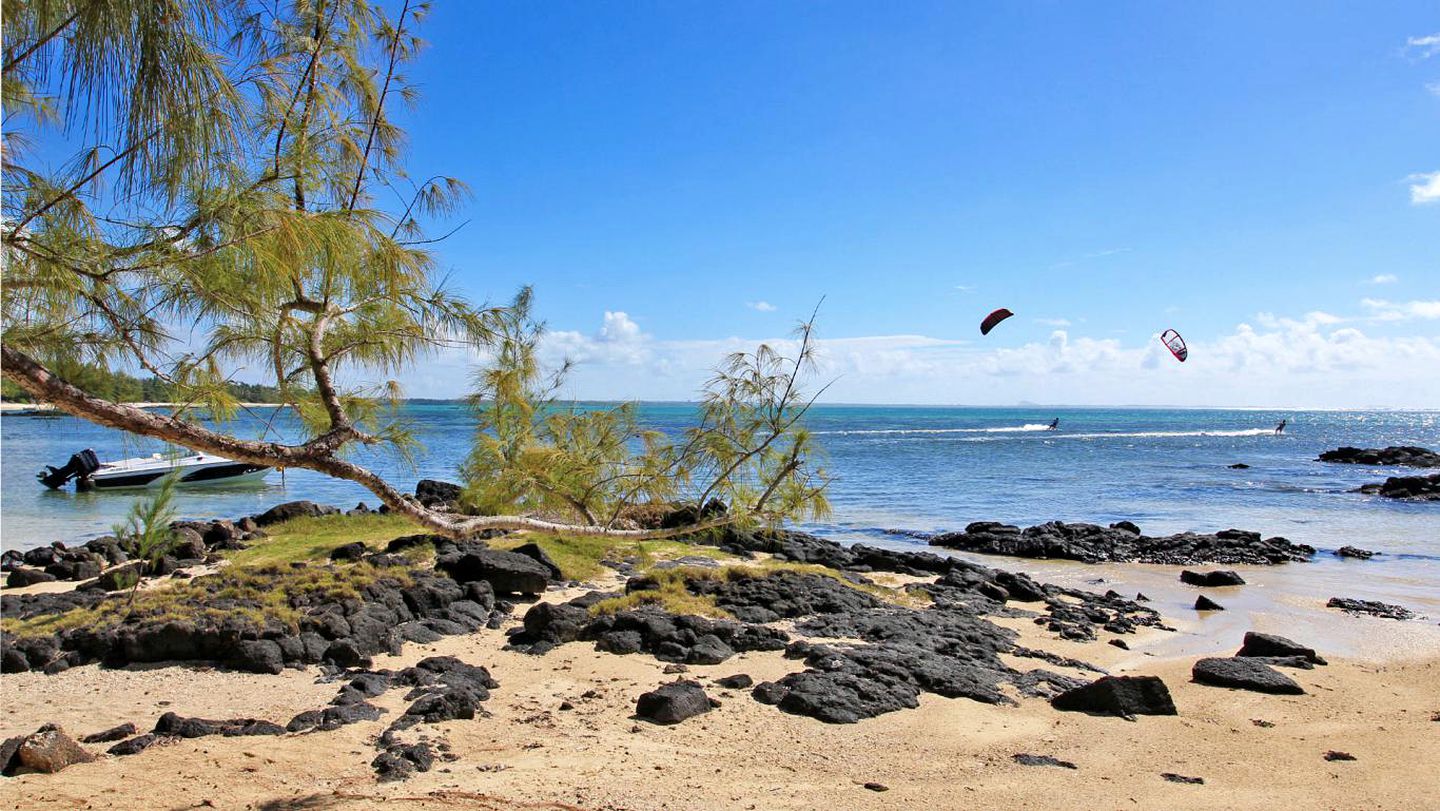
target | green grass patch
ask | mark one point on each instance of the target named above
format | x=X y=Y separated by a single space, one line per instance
x=308 y=539
x=259 y=595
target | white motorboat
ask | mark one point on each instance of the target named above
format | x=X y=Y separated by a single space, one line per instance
x=145 y=471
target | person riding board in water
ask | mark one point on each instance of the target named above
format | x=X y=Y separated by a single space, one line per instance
x=1054 y=425
x=1280 y=429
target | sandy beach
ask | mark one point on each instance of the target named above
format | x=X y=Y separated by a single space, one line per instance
x=560 y=733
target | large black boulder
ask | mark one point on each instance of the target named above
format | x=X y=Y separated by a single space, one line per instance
x=291 y=510
x=431 y=492
x=1267 y=645
x=506 y=572
x=672 y=703
x=1118 y=695
x=537 y=553
x=1406 y=488
x=1203 y=603
x=1118 y=543
x=1244 y=674
x=1219 y=577
x=19 y=578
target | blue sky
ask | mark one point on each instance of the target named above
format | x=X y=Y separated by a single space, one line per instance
x=676 y=179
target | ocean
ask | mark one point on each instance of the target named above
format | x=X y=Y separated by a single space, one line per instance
x=915 y=469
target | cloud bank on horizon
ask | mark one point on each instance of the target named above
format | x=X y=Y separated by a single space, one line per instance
x=1318 y=360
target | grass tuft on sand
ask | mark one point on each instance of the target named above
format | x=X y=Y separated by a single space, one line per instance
x=256 y=595
x=309 y=539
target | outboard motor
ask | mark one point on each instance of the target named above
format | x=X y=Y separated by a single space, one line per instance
x=80 y=466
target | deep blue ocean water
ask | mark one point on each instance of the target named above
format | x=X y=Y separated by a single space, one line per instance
x=910 y=468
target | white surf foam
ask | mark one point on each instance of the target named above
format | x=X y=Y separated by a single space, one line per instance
x=1010 y=429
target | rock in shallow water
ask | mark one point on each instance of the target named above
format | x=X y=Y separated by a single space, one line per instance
x=1094 y=544
x=1244 y=674
x=1404 y=455
x=1203 y=603
x=1218 y=578
x=1371 y=607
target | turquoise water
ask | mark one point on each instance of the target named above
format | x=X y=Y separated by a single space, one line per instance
x=915 y=468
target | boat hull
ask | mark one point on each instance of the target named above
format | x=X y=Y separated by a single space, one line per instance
x=227 y=473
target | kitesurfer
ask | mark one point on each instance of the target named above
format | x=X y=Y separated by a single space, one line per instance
x=1054 y=425
x=1280 y=429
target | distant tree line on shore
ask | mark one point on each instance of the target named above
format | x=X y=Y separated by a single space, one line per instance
x=125 y=388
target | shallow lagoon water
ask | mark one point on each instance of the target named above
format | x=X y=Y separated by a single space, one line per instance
x=930 y=469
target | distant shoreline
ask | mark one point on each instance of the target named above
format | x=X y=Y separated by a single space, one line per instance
x=10 y=408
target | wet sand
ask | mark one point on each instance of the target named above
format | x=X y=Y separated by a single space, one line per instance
x=949 y=753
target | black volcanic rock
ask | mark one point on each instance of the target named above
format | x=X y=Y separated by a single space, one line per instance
x=1244 y=674
x=1095 y=544
x=1268 y=645
x=1374 y=608
x=1118 y=695
x=1203 y=603
x=1397 y=455
x=1218 y=578
x=506 y=572
x=1403 y=488
x=431 y=493
x=672 y=703
x=1354 y=552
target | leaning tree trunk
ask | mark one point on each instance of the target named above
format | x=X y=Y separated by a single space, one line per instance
x=319 y=454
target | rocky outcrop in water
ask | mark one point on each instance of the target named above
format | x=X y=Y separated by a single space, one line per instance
x=1395 y=455
x=1373 y=608
x=1096 y=544
x=1405 y=488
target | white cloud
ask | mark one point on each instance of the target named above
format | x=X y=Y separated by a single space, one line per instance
x=1424 y=47
x=964 y=288
x=761 y=306
x=1384 y=278
x=1315 y=359
x=1053 y=322
x=1424 y=187
x=1401 y=311
x=1434 y=88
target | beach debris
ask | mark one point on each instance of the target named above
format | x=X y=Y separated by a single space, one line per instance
x=873 y=786
x=672 y=703
x=1091 y=543
x=1124 y=696
x=1203 y=603
x=1333 y=755
x=1215 y=579
x=739 y=681
x=1371 y=607
x=1262 y=723
x=1180 y=778
x=1271 y=645
x=1042 y=760
x=1244 y=674
x=177 y=726
x=1354 y=552
x=116 y=733
x=992 y=319
x=135 y=745
x=1395 y=455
